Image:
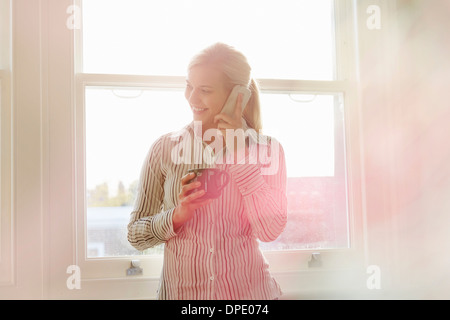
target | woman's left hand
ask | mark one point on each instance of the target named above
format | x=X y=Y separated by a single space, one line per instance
x=226 y=122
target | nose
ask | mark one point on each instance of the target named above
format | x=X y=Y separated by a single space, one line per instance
x=192 y=96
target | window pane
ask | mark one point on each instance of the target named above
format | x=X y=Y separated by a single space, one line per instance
x=289 y=39
x=121 y=125
x=305 y=124
x=310 y=129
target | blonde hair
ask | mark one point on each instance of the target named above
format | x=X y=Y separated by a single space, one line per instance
x=237 y=70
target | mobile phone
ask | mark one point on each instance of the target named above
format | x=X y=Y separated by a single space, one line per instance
x=230 y=104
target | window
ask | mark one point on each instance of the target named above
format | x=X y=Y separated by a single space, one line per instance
x=135 y=36
x=116 y=145
x=313 y=138
x=132 y=57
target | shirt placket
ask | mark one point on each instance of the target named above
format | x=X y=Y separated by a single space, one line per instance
x=209 y=158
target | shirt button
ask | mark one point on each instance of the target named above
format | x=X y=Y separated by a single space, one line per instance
x=211 y=278
x=211 y=250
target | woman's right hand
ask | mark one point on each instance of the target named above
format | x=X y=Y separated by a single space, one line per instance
x=187 y=205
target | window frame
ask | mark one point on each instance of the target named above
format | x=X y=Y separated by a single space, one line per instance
x=288 y=265
x=6 y=174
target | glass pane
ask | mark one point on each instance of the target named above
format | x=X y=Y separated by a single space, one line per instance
x=311 y=131
x=289 y=39
x=305 y=124
x=121 y=125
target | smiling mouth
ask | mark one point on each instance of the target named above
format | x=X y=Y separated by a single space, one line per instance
x=198 y=110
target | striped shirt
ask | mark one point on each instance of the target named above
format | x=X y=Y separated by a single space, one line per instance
x=215 y=255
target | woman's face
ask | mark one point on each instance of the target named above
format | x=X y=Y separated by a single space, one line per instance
x=206 y=93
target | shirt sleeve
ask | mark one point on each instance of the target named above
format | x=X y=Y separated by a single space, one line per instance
x=263 y=188
x=150 y=225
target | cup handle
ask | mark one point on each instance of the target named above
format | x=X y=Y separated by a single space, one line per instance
x=227 y=179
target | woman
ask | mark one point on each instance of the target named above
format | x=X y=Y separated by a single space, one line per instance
x=211 y=246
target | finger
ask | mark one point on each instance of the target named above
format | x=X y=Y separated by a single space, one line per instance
x=197 y=203
x=186 y=178
x=201 y=203
x=223 y=126
x=190 y=186
x=224 y=117
x=187 y=189
x=232 y=123
x=192 y=197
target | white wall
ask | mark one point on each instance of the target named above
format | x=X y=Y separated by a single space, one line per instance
x=42 y=228
x=422 y=148
x=405 y=111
